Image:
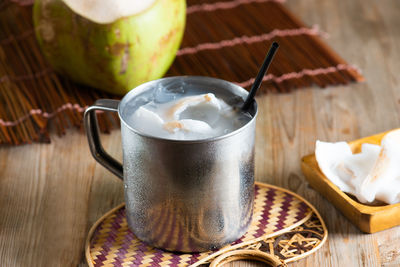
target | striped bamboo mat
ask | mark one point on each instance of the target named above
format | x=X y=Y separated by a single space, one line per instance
x=226 y=39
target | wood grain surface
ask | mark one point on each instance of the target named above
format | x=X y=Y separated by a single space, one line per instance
x=51 y=194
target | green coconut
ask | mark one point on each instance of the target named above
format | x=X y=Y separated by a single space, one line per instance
x=113 y=45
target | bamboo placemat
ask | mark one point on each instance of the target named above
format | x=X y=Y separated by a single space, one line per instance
x=284 y=225
x=225 y=39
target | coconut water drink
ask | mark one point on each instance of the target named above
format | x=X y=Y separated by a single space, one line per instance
x=188 y=161
x=187 y=113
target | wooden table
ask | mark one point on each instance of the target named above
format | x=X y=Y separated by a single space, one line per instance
x=50 y=195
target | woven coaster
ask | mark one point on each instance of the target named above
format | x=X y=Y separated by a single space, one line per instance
x=284 y=225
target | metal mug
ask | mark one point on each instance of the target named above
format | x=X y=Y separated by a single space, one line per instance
x=182 y=195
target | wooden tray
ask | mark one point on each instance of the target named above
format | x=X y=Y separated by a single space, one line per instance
x=367 y=218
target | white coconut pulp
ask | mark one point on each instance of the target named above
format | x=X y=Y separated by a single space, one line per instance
x=188 y=118
x=373 y=174
x=107 y=11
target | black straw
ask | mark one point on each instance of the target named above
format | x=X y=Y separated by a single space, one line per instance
x=257 y=82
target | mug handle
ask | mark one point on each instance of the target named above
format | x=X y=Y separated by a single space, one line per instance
x=92 y=132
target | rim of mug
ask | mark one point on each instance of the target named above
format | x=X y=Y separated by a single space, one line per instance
x=143 y=87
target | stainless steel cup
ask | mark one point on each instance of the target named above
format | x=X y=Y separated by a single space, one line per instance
x=186 y=196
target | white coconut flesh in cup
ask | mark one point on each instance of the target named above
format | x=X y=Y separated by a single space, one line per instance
x=192 y=117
